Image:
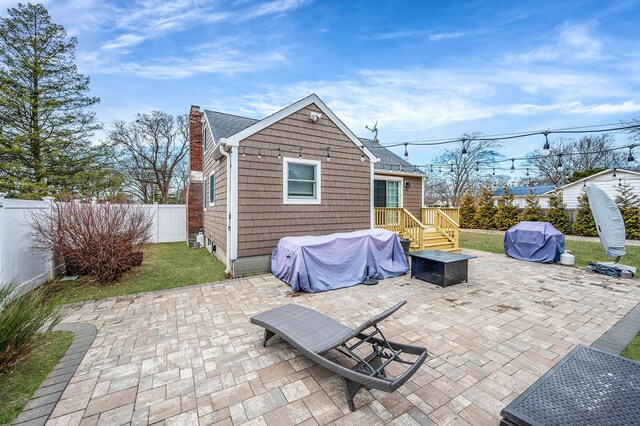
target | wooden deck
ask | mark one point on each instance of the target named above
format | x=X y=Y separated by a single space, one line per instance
x=437 y=229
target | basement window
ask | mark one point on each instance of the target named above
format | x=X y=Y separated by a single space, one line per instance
x=301 y=181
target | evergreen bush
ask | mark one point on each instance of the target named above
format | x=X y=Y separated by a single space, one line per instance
x=629 y=205
x=485 y=209
x=584 y=224
x=531 y=211
x=467 y=210
x=506 y=212
x=557 y=215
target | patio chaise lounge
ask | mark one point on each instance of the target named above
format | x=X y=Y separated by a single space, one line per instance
x=315 y=334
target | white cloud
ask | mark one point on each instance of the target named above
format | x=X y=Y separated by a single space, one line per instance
x=429 y=35
x=574 y=42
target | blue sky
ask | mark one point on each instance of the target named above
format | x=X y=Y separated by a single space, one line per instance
x=423 y=70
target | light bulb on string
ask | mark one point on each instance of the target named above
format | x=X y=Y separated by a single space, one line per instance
x=630 y=158
x=614 y=172
x=464 y=149
x=546 y=149
x=559 y=167
x=401 y=168
x=494 y=171
x=279 y=154
x=244 y=151
x=406 y=153
x=527 y=171
x=477 y=166
x=259 y=154
x=432 y=168
x=439 y=170
x=300 y=155
x=513 y=167
x=451 y=168
x=329 y=157
x=619 y=182
x=362 y=156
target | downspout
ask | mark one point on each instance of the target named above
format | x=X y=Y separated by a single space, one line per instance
x=223 y=151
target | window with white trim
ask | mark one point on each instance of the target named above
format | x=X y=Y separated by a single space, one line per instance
x=301 y=181
x=212 y=189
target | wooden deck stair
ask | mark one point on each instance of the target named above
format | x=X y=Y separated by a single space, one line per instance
x=437 y=230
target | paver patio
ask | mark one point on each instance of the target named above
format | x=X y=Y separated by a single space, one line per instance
x=190 y=354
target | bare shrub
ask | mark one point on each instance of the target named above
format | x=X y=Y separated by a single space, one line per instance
x=103 y=240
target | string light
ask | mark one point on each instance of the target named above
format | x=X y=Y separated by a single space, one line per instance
x=559 y=167
x=432 y=168
x=244 y=151
x=406 y=153
x=630 y=158
x=464 y=149
x=279 y=154
x=546 y=149
x=527 y=171
x=477 y=166
x=614 y=172
x=401 y=168
x=619 y=182
x=362 y=154
x=259 y=154
x=452 y=168
x=494 y=171
x=513 y=167
x=300 y=155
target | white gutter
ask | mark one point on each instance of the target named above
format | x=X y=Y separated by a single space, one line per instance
x=227 y=148
x=224 y=152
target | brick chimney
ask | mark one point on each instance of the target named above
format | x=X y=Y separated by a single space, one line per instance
x=194 y=186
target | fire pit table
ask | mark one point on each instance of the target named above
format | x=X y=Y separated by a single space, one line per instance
x=439 y=267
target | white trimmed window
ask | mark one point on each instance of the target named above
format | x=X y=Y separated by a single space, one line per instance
x=301 y=181
x=212 y=189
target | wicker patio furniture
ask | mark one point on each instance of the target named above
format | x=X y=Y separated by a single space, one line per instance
x=325 y=341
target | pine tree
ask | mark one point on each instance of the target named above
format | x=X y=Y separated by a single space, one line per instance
x=45 y=116
x=485 y=209
x=531 y=211
x=467 y=210
x=557 y=215
x=584 y=224
x=506 y=212
x=629 y=205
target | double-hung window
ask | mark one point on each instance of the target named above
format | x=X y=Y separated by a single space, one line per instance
x=212 y=189
x=301 y=181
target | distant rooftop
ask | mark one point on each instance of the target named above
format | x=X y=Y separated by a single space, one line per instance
x=521 y=191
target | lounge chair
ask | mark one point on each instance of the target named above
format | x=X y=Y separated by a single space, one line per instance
x=315 y=334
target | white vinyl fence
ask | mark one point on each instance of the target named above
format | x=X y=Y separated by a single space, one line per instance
x=24 y=266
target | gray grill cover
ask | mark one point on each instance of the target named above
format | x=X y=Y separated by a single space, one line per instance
x=609 y=222
x=315 y=264
x=534 y=242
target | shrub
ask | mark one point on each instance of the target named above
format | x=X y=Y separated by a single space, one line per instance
x=485 y=209
x=506 y=212
x=467 y=210
x=102 y=240
x=556 y=214
x=21 y=316
x=531 y=211
x=629 y=206
x=584 y=224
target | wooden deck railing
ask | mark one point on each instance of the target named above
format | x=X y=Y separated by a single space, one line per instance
x=448 y=227
x=428 y=214
x=407 y=225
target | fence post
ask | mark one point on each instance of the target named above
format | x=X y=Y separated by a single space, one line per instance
x=157 y=221
x=2 y=267
x=50 y=265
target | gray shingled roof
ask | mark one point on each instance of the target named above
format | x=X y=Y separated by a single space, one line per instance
x=388 y=160
x=520 y=191
x=224 y=125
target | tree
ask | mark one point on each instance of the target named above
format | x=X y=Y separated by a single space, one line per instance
x=531 y=211
x=467 y=210
x=556 y=214
x=588 y=153
x=45 y=114
x=485 y=209
x=153 y=146
x=581 y=174
x=506 y=212
x=584 y=224
x=458 y=173
x=629 y=205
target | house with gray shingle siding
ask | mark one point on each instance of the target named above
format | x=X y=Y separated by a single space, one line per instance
x=299 y=171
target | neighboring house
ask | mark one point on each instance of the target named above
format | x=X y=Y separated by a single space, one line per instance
x=299 y=171
x=608 y=180
x=520 y=194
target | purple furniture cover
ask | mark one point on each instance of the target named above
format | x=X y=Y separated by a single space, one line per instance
x=534 y=241
x=315 y=264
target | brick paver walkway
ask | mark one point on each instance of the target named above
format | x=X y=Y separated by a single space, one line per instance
x=190 y=354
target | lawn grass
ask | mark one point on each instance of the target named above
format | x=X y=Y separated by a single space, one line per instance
x=165 y=265
x=23 y=379
x=584 y=251
x=632 y=351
